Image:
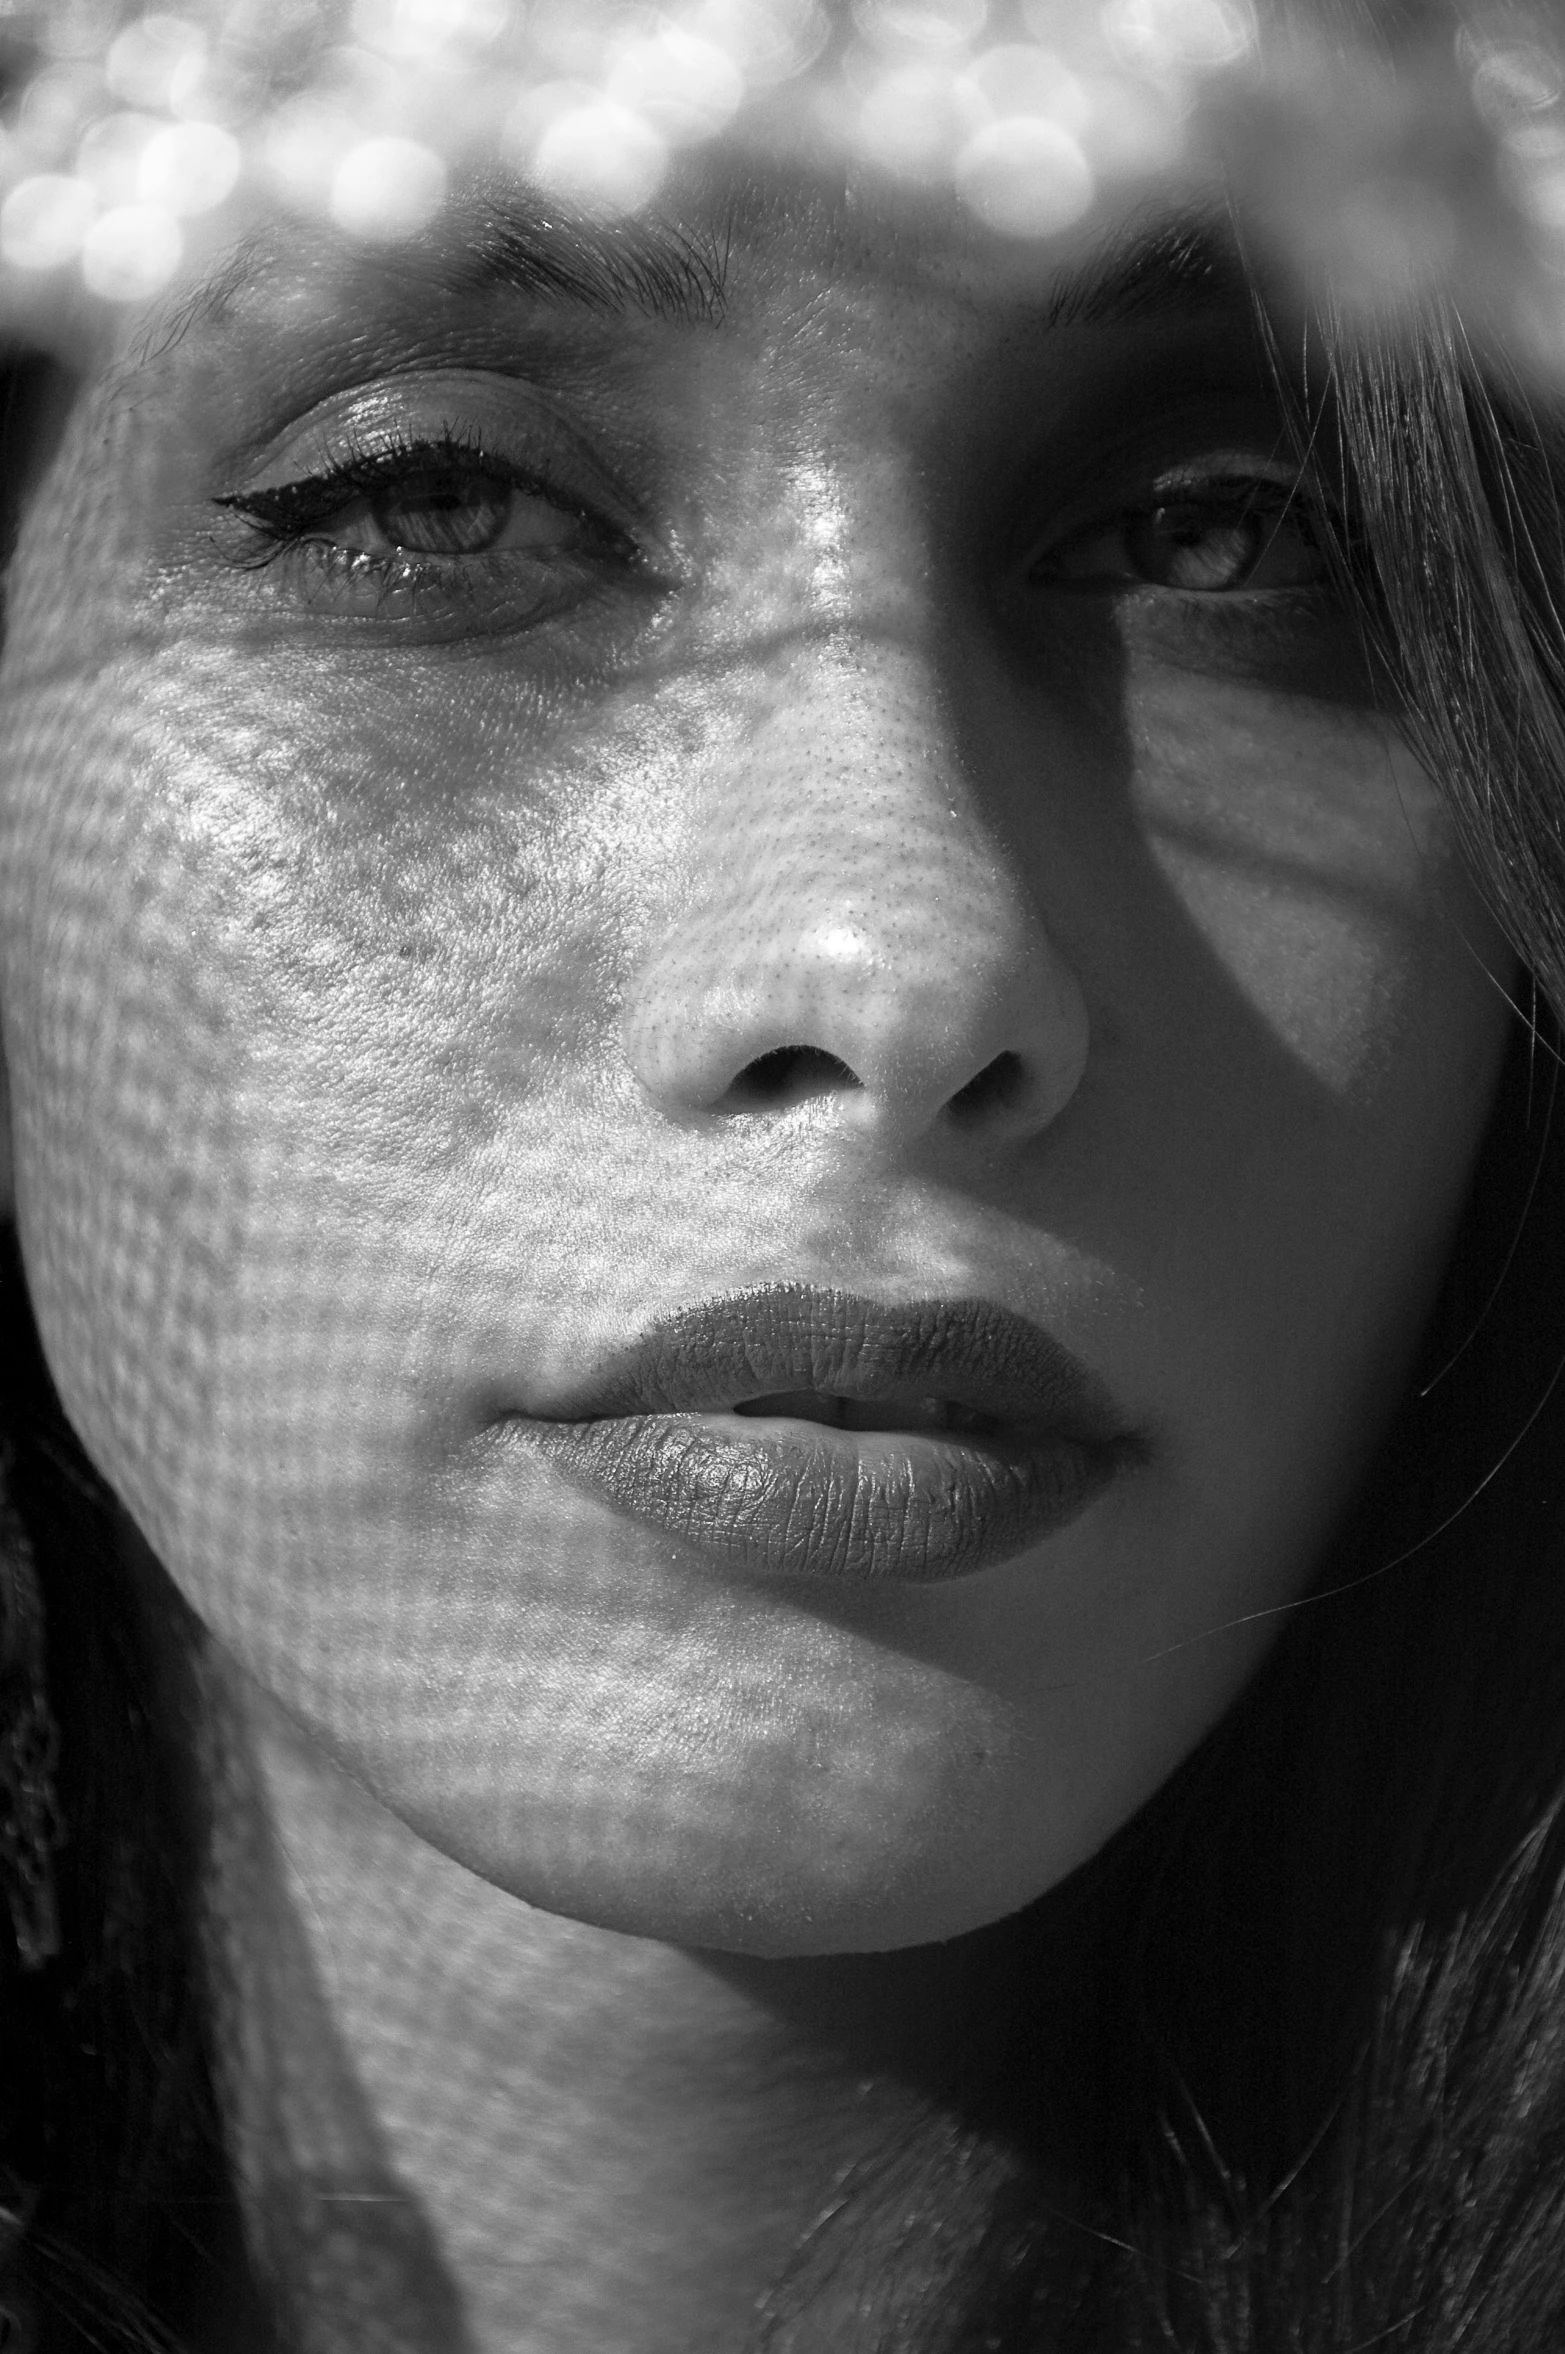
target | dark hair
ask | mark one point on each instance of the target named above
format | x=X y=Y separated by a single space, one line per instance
x=113 y=2142
x=1317 y=2100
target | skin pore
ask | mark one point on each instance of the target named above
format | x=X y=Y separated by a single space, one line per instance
x=913 y=651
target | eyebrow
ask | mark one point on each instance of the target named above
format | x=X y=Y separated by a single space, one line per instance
x=651 y=263
x=1170 y=265
x=665 y=269
x=1143 y=269
x=510 y=243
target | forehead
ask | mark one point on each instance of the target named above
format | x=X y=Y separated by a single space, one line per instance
x=771 y=256
x=733 y=223
x=739 y=218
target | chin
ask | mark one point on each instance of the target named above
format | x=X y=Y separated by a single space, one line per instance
x=776 y=1889
x=776 y=1920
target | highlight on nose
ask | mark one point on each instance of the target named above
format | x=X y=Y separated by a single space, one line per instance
x=858 y=939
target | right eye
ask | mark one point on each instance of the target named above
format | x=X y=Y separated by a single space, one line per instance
x=422 y=502
x=436 y=532
x=450 y=510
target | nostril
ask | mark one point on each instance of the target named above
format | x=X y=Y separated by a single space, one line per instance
x=787 y=1075
x=993 y=1089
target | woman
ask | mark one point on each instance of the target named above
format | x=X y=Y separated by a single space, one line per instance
x=779 y=993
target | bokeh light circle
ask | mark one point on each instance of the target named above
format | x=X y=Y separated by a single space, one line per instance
x=386 y=189
x=44 y=220
x=603 y=157
x=131 y=251
x=1026 y=176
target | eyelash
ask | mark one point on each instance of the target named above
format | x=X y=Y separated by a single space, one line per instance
x=1224 y=495
x=517 y=585
x=1234 y=499
x=287 y=522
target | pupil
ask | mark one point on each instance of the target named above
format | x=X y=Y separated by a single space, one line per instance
x=1192 y=547
x=443 y=514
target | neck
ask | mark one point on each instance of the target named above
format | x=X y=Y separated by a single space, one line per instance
x=497 y=2131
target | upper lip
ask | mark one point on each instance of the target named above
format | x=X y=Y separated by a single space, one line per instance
x=791 y=1337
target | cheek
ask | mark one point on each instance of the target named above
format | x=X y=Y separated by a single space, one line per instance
x=1312 y=1039
x=275 y=996
x=129 y=1195
x=321 y=1110
x=1314 y=859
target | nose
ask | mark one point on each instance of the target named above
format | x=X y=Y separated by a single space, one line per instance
x=858 y=937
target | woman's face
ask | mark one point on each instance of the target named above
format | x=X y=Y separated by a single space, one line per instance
x=738 y=1067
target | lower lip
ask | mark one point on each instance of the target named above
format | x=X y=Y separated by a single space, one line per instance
x=804 y=1499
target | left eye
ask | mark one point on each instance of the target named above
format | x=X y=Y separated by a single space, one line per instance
x=1206 y=545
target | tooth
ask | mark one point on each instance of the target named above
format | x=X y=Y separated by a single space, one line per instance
x=884 y=1414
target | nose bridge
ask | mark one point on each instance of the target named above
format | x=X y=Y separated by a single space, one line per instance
x=857 y=908
x=852 y=852
x=855 y=771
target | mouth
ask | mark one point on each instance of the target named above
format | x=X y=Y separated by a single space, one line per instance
x=928 y=1415
x=808 y=1433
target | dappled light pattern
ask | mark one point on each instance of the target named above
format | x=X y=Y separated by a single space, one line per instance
x=1435 y=153
x=730 y=1130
